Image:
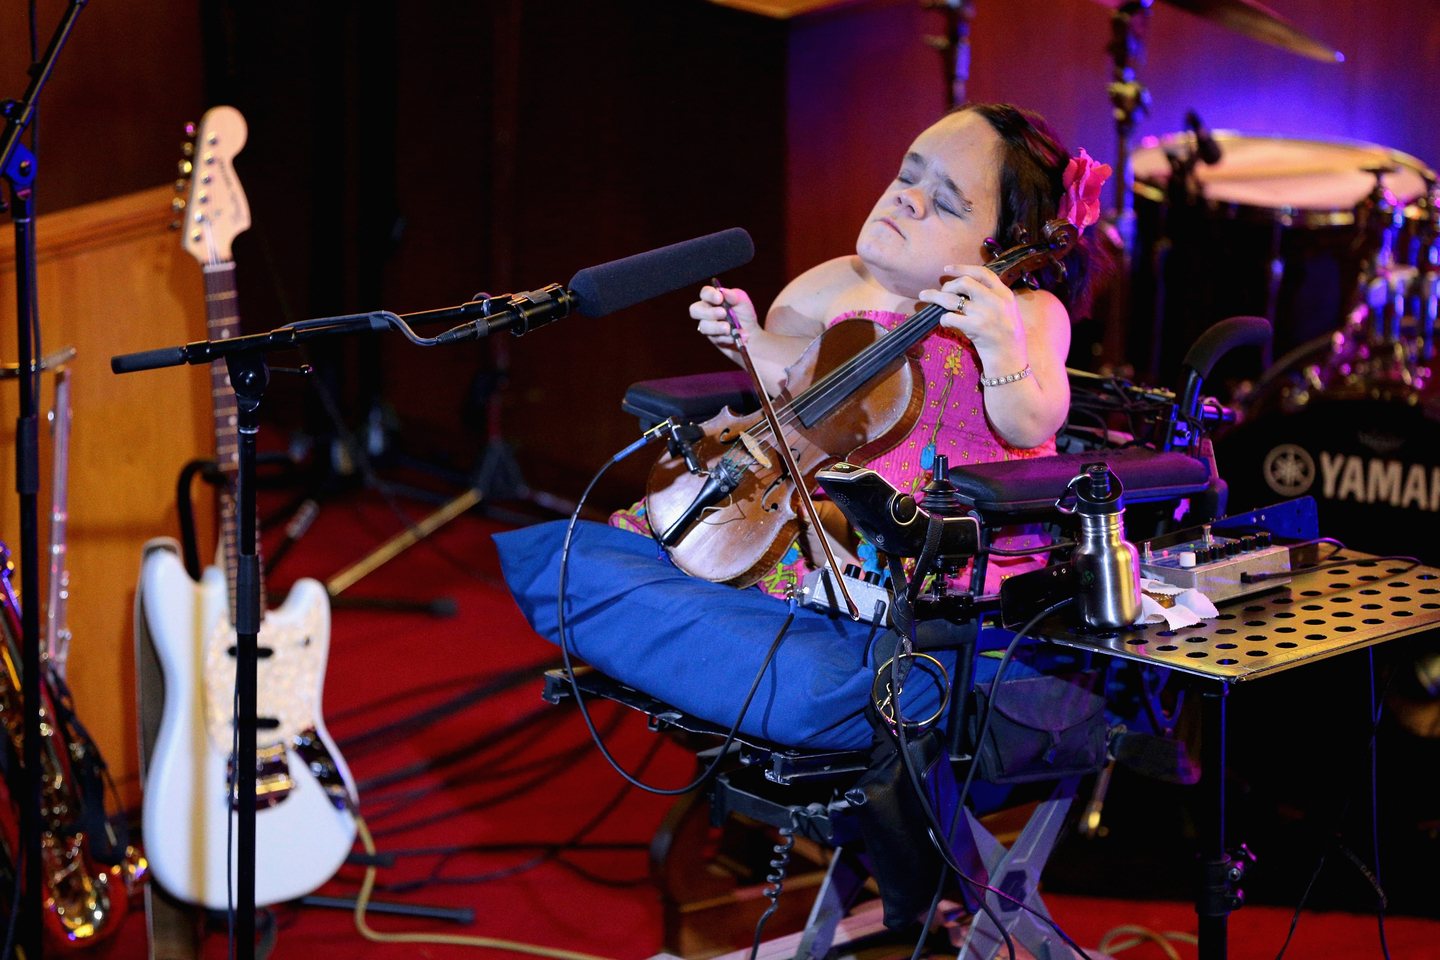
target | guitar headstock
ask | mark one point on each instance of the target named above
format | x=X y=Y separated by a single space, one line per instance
x=214 y=210
x=1060 y=237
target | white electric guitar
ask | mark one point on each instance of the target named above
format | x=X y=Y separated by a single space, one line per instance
x=304 y=826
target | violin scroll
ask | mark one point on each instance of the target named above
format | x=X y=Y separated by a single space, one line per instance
x=1058 y=239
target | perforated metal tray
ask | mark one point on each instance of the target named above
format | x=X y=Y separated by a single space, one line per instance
x=1320 y=614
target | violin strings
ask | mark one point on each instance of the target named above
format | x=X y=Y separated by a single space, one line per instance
x=920 y=322
x=818 y=392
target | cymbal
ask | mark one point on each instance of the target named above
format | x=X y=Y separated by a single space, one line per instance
x=1257 y=21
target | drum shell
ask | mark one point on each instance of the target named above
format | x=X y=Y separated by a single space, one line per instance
x=1273 y=234
x=1373 y=468
x=1221 y=262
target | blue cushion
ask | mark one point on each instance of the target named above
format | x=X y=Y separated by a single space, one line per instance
x=697 y=645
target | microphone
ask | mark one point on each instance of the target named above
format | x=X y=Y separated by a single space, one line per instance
x=1205 y=146
x=604 y=289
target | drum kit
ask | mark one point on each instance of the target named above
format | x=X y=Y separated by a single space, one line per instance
x=1337 y=243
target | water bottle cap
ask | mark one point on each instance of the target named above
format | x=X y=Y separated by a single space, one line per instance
x=1098 y=491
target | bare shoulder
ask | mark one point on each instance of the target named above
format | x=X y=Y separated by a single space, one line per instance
x=808 y=302
x=1044 y=315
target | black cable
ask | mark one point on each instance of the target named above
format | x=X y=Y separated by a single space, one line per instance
x=930 y=914
x=933 y=822
x=551 y=852
x=1028 y=551
x=414 y=723
x=492 y=768
x=1378 y=712
x=565 y=759
x=512 y=846
x=937 y=831
x=463 y=752
x=434 y=686
x=570 y=669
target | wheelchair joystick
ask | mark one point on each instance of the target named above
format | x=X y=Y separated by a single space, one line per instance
x=941 y=497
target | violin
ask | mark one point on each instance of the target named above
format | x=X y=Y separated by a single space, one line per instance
x=856 y=392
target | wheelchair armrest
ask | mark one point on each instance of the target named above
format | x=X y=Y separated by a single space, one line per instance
x=690 y=399
x=1019 y=487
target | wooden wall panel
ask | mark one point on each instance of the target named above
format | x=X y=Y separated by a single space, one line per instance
x=126 y=83
x=112 y=279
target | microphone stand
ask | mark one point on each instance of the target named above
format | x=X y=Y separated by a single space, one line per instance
x=249 y=375
x=18 y=168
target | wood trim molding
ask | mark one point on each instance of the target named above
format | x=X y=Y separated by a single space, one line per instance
x=103 y=223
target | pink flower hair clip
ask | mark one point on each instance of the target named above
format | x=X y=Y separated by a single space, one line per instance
x=1082 y=181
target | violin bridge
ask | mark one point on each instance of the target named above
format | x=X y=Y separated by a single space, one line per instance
x=753 y=446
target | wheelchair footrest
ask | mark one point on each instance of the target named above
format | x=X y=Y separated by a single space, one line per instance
x=812 y=811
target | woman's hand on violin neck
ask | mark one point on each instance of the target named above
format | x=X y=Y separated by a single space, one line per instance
x=983 y=309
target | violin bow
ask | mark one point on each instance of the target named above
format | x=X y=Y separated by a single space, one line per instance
x=786 y=455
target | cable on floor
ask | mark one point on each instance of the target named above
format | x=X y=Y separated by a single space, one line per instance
x=1126 y=936
x=362 y=901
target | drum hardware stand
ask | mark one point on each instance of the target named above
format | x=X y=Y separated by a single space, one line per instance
x=953 y=46
x=1222 y=868
x=18 y=169
x=1182 y=193
x=1129 y=28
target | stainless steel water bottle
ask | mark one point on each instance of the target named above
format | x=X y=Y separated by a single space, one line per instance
x=1106 y=565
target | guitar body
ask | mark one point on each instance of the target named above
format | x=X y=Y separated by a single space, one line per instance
x=303 y=837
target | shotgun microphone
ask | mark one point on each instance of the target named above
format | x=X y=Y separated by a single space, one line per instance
x=602 y=290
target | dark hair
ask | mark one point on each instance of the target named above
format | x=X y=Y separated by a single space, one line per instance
x=1032 y=165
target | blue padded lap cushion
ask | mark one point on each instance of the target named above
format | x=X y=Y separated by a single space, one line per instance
x=698 y=645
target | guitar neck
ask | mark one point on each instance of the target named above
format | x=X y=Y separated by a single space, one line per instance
x=56 y=634
x=222 y=321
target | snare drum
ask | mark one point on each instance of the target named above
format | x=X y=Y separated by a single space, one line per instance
x=1273 y=235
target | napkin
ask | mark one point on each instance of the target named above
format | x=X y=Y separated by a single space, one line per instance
x=1189 y=606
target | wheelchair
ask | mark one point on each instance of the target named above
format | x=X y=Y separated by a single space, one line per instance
x=816 y=796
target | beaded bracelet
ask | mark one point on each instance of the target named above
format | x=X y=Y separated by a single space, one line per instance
x=1010 y=378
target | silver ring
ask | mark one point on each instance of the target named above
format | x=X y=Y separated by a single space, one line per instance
x=964 y=299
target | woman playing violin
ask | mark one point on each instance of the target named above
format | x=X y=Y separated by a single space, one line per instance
x=996 y=387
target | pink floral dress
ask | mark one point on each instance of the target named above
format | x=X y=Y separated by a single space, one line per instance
x=952 y=423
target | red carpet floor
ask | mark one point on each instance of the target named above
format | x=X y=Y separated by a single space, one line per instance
x=542 y=782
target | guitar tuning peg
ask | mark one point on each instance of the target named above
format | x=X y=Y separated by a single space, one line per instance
x=186 y=167
x=175 y=224
x=181 y=185
x=190 y=129
x=177 y=204
x=188 y=148
x=991 y=246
